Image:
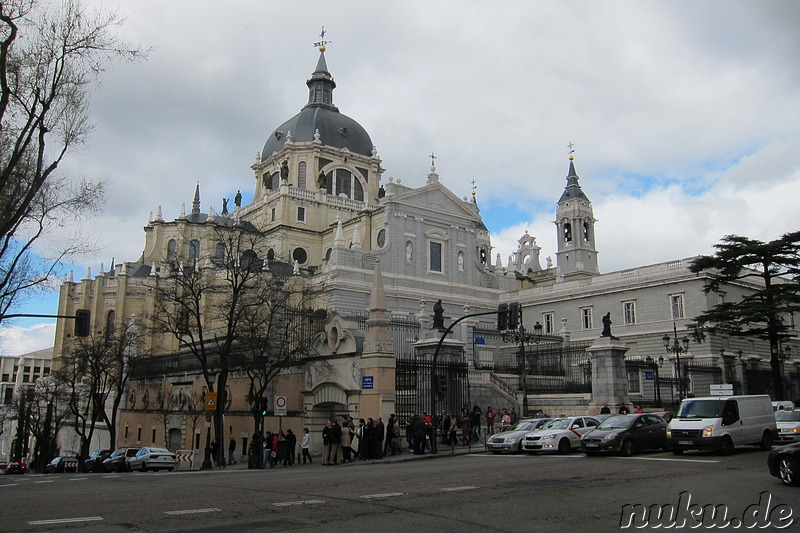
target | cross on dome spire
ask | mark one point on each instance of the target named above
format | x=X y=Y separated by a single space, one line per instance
x=322 y=42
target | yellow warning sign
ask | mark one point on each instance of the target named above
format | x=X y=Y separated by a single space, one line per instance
x=210 y=401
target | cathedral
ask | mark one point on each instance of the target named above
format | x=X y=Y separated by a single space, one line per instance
x=393 y=265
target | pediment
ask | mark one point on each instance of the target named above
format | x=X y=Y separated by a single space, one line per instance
x=438 y=198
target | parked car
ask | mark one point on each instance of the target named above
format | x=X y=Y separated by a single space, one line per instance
x=788 y=426
x=16 y=467
x=152 y=459
x=784 y=463
x=511 y=440
x=95 y=461
x=782 y=405
x=561 y=435
x=722 y=422
x=61 y=464
x=118 y=461
x=626 y=434
x=666 y=415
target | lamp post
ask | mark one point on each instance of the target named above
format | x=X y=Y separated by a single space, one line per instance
x=672 y=346
x=521 y=337
x=207 y=461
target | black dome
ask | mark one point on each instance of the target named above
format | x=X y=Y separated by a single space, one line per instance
x=335 y=129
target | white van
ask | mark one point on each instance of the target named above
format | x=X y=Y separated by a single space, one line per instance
x=720 y=423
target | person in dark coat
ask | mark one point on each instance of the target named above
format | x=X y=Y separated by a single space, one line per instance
x=215 y=452
x=291 y=444
x=391 y=427
x=326 y=443
x=336 y=441
x=369 y=435
x=419 y=436
x=380 y=434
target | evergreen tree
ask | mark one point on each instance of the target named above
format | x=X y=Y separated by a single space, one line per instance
x=763 y=313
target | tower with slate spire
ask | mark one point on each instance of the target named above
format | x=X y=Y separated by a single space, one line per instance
x=577 y=255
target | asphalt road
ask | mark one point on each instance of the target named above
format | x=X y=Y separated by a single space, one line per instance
x=476 y=492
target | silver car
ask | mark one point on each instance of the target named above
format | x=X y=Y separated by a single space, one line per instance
x=788 y=426
x=561 y=435
x=511 y=440
x=152 y=459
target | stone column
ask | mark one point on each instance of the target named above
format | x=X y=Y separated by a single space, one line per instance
x=378 y=362
x=609 y=378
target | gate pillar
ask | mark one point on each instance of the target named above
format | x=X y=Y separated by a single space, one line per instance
x=609 y=378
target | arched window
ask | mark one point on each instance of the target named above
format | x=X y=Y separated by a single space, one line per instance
x=171 y=247
x=250 y=261
x=342 y=182
x=567 y=232
x=110 y=324
x=194 y=250
x=301 y=175
x=271 y=255
x=586 y=232
x=219 y=252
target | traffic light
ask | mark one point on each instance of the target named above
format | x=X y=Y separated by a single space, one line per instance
x=82 y=317
x=502 y=317
x=264 y=406
x=440 y=385
x=513 y=315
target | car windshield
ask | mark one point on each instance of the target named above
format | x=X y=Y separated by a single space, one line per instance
x=559 y=424
x=787 y=416
x=159 y=450
x=701 y=409
x=524 y=425
x=616 y=422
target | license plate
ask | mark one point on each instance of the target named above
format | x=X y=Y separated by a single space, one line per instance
x=685 y=442
x=591 y=444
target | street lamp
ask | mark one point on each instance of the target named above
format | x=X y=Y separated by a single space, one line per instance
x=521 y=337
x=207 y=462
x=672 y=346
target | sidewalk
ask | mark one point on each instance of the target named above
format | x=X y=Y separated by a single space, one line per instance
x=402 y=457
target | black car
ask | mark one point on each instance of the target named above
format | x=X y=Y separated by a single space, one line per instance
x=95 y=461
x=16 y=467
x=61 y=464
x=784 y=463
x=118 y=461
x=626 y=434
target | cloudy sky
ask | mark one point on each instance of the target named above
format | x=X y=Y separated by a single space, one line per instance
x=683 y=114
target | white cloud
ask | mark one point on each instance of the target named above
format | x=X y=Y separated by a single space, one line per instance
x=18 y=340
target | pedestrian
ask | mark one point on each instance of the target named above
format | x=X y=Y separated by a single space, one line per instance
x=336 y=441
x=466 y=427
x=490 y=416
x=347 y=440
x=215 y=452
x=513 y=415
x=475 y=421
x=265 y=449
x=291 y=445
x=638 y=410
x=361 y=434
x=378 y=437
x=304 y=445
x=505 y=420
x=605 y=410
x=326 y=442
x=388 y=448
x=623 y=409
x=231 y=451
x=419 y=436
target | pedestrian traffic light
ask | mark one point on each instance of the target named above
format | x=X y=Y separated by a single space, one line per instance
x=502 y=317
x=443 y=384
x=513 y=315
x=82 y=317
x=264 y=406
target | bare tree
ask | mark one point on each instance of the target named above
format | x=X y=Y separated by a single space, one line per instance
x=166 y=406
x=47 y=413
x=96 y=370
x=218 y=307
x=50 y=54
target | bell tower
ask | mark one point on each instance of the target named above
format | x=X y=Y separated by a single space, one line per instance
x=576 y=256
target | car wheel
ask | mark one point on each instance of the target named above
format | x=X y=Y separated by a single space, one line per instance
x=590 y=454
x=495 y=452
x=144 y=467
x=677 y=451
x=788 y=470
x=626 y=448
x=120 y=468
x=766 y=442
x=564 y=446
x=726 y=446
x=519 y=447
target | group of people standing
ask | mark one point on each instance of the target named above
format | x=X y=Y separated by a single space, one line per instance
x=369 y=439
x=272 y=449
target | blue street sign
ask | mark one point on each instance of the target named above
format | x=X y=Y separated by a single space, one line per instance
x=648 y=374
x=366 y=382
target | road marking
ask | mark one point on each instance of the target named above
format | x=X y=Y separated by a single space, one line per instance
x=383 y=495
x=65 y=520
x=299 y=502
x=9 y=485
x=458 y=489
x=109 y=477
x=670 y=459
x=46 y=481
x=78 y=479
x=194 y=511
